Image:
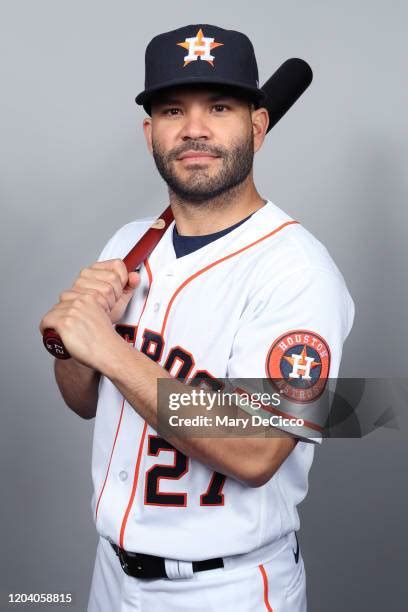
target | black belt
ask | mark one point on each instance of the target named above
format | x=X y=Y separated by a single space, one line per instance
x=140 y=565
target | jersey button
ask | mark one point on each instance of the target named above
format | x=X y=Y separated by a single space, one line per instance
x=123 y=475
x=156 y=306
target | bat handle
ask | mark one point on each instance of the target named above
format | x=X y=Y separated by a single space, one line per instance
x=133 y=261
x=54 y=344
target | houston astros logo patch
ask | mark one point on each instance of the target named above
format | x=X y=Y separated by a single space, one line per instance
x=299 y=363
x=199 y=46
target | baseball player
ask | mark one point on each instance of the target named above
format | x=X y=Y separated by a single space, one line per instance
x=235 y=289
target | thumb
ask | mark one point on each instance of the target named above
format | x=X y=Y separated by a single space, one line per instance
x=128 y=291
x=133 y=282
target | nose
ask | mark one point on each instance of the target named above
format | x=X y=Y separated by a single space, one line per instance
x=195 y=125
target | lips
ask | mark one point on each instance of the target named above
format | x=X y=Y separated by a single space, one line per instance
x=194 y=155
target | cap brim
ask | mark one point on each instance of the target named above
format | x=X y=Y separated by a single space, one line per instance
x=144 y=98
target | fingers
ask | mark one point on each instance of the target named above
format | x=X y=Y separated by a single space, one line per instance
x=67 y=311
x=106 y=284
x=105 y=303
x=107 y=278
x=54 y=317
x=113 y=265
x=94 y=285
x=105 y=281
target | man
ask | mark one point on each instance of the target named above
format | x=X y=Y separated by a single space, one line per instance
x=234 y=289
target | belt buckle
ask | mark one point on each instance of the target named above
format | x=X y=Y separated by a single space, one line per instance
x=137 y=563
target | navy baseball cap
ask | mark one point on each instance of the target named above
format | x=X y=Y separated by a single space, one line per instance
x=200 y=54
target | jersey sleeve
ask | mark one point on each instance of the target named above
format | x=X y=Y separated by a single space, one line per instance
x=107 y=250
x=289 y=342
x=124 y=239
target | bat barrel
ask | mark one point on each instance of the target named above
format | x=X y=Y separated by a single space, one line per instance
x=286 y=86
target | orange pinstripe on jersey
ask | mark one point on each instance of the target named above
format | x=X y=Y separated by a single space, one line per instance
x=214 y=263
x=110 y=459
x=265 y=588
x=142 y=438
x=135 y=481
x=149 y=275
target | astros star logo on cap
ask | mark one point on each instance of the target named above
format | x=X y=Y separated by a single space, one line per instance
x=199 y=46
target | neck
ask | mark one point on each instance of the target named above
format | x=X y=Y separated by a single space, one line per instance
x=216 y=214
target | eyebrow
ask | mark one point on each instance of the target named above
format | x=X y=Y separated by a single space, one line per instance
x=212 y=98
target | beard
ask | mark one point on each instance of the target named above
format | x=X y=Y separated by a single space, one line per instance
x=201 y=185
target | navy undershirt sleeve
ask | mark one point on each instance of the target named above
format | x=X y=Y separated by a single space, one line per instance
x=183 y=245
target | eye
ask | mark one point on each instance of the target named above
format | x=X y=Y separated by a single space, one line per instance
x=220 y=108
x=171 y=112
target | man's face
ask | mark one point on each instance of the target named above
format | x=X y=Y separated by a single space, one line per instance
x=202 y=141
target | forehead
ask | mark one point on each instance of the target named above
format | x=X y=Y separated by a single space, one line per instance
x=187 y=93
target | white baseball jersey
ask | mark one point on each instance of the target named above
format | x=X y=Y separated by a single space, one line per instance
x=264 y=298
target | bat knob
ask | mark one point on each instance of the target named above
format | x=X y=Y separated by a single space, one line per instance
x=55 y=345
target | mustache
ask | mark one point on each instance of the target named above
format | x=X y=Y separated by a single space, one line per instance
x=196 y=146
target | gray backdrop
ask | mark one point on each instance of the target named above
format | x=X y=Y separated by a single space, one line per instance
x=74 y=168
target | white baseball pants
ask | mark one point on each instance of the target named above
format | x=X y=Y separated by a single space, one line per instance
x=268 y=580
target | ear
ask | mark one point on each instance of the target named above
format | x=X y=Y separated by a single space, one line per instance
x=260 y=122
x=147 y=128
